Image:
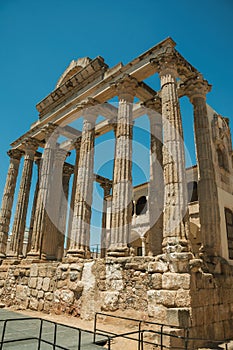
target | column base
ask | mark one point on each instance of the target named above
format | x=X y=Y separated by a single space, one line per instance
x=118 y=252
x=78 y=253
x=33 y=255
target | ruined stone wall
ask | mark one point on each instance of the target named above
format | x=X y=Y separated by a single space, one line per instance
x=172 y=290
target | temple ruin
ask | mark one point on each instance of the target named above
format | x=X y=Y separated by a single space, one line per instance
x=167 y=244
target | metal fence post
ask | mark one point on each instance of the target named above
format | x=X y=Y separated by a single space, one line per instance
x=79 y=339
x=40 y=333
x=3 y=334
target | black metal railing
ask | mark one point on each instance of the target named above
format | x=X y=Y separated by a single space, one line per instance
x=162 y=332
x=39 y=339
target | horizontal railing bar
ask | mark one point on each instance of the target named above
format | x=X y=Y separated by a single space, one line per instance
x=142 y=321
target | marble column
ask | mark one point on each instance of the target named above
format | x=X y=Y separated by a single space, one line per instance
x=107 y=188
x=122 y=177
x=67 y=172
x=80 y=232
x=41 y=216
x=209 y=211
x=16 y=244
x=54 y=197
x=176 y=218
x=156 y=184
x=37 y=161
x=77 y=145
x=8 y=198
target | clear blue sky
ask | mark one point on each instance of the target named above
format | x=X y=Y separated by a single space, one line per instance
x=40 y=38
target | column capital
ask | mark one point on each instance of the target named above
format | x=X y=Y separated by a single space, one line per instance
x=48 y=130
x=107 y=185
x=68 y=169
x=155 y=104
x=30 y=146
x=77 y=143
x=166 y=64
x=196 y=87
x=126 y=88
x=15 y=154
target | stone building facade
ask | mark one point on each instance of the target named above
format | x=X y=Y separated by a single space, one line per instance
x=166 y=245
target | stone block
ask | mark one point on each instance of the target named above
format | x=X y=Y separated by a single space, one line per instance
x=34 y=292
x=157 y=266
x=164 y=297
x=33 y=304
x=34 y=270
x=46 y=284
x=67 y=296
x=21 y=292
x=40 y=294
x=111 y=301
x=76 y=267
x=183 y=298
x=39 y=283
x=74 y=275
x=76 y=286
x=48 y=296
x=40 y=304
x=178 y=317
x=42 y=271
x=175 y=281
x=64 y=267
x=61 y=284
x=32 y=283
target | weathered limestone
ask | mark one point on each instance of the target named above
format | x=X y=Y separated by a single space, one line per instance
x=18 y=229
x=50 y=241
x=175 y=218
x=122 y=178
x=107 y=188
x=80 y=234
x=41 y=215
x=8 y=198
x=38 y=160
x=77 y=145
x=156 y=184
x=61 y=228
x=197 y=89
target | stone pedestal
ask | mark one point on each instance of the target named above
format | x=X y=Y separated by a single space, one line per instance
x=8 y=198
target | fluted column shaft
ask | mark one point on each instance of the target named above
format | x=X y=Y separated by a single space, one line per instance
x=77 y=145
x=8 y=198
x=175 y=221
x=67 y=172
x=156 y=184
x=34 y=205
x=50 y=241
x=122 y=178
x=80 y=232
x=19 y=224
x=42 y=201
x=207 y=188
x=107 y=188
